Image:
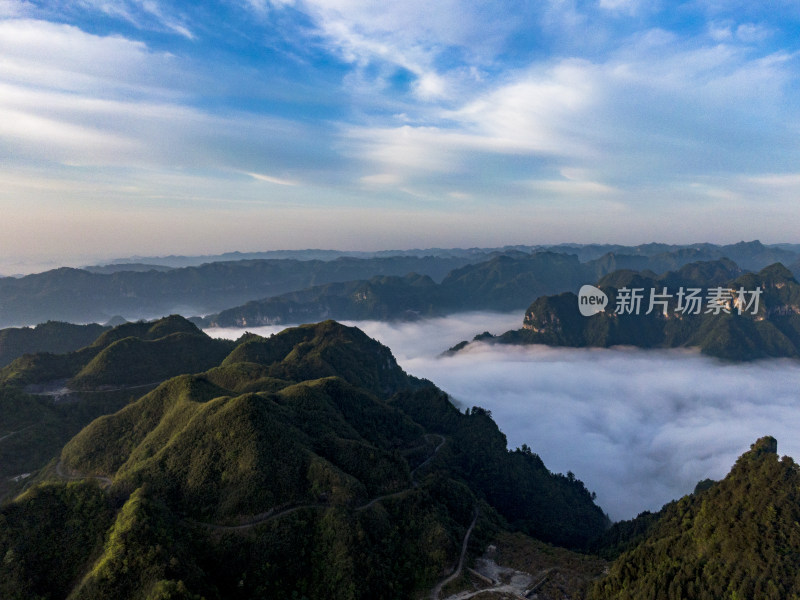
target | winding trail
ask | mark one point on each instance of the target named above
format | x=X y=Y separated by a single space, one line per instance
x=438 y=589
x=104 y=481
x=271 y=514
x=8 y=435
x=414 y=481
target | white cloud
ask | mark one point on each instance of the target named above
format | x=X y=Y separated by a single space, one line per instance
x=70 y=97
x=54 y=56
x=784 y=181
x=626 y=6
x=14 y=8
x=144 y=14
x=271 y=179
x=381 y=179
x=752 y=32
x=571 y=188
x=639 y=428
x=412 y=35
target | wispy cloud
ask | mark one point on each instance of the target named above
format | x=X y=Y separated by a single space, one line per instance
x=402 y=106
x=143 y=14
x=271 y=179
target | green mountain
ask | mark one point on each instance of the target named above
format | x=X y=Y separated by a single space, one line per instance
x=53 y=336
x=129 y=354
x=303 y=465
x=772 y=331
x=46 y=398
x=737 y=538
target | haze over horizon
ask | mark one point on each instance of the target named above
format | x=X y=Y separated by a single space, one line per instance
x=159 y=127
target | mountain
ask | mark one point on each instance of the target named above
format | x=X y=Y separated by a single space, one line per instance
x=131 y=266
x=82 y=296
x=129 y=354
x=506 y=282
x=307 y=465
x=52 y=336
x=383 y=298
x=759 y=254
x=725 y=331
x=149 y=287
x=752 y=255
x=502 y=283
x=736 y=538
x=475 y=254
x=47 y=398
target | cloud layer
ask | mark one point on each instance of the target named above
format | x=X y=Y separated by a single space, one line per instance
x=640 y=428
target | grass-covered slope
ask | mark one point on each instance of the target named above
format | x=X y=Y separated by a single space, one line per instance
x=129 y=354
x=304 y=465
x=737 y=539
x=323 y=350
x=54 y=337
x=222 y=456
x=133 y=361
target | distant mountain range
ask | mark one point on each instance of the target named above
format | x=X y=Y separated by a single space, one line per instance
x=82 y=296
x=310 y=465
x=740 y=252
x=770 y=327
x=293 y=286
x=503 y=283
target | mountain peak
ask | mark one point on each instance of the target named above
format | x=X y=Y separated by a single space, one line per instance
x=776 y=273
x=326 y=349
x=762 y=446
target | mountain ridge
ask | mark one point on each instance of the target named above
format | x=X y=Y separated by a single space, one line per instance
x=724 y=332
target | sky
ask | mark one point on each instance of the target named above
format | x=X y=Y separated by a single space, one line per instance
x=638 y=427
x=156 y=127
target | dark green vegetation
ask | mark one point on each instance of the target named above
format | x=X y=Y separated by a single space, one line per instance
x=738 y=538
x=470 y=279
x=52 y=336
x=304 y=465
x=67 y=391
x=309 y=465
x=774 y=331
x=129 y=354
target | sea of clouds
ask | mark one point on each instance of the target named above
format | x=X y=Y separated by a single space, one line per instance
x=639 y=427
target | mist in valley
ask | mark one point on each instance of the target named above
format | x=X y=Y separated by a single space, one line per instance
x=638 y=427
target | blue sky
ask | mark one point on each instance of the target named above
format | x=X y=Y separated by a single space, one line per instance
x=156 y=127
